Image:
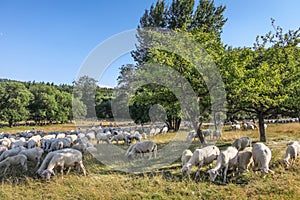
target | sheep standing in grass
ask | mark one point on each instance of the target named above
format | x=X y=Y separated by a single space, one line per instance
x=13 y=161
x=33 y=154
x=11 y=152
x=201 y=157
x=262 y=156
x=186 y=155
x=227 y=159
x=291 y=153
x=191 y=135
x=245 y=160
x=141 y=148
x=242 y=143
x=64 y=159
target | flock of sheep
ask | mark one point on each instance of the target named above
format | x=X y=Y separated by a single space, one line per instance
x=240 y=157
x=61 y=150
x=65 y=150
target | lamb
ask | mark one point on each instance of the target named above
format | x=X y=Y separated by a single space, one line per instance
x=242 y=143
x=64 y=159
x=142 y=147
x=245 y=160
x=186 y=155
x=201 y=157
x=292 y=153
x=33 y=154
x=13 y=161
x=262 y=156
x=11 y=152
x=227 y=159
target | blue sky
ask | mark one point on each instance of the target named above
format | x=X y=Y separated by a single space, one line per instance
x=49 y=40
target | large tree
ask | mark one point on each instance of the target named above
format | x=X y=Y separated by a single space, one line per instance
x=15 y=98
x=260 y=80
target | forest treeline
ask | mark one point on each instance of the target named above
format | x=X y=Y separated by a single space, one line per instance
x=44 y=103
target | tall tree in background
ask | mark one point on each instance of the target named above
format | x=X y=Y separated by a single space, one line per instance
x=85 y=91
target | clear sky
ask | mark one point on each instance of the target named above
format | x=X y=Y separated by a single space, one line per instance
x=49 y=40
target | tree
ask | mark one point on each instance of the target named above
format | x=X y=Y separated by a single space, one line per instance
x=260 y=79
x=15 y=99
x=85 y=90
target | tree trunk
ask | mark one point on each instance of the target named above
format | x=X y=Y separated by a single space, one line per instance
x=177 y=124
x=199 y=132
x=261 y=126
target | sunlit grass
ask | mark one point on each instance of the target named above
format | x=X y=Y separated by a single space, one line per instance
x=165 y=183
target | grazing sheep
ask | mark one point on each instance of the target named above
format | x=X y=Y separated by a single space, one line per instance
x=164 y=130
x=121 y=137
x=217 y=134
x=191 y=136
x=262 y=156
x=242 y=143
x=207 y=133
x=11 y=152
x=201 y=157
x=64 y=159
x=106 y=137
x=291 y=153
x=245 y=160
x=186 y=155
x=2 y=149
x=227 y=159
x=33 y=154
x=141 y=148
x=34 y=141
x=235 y=127
x=13 y=161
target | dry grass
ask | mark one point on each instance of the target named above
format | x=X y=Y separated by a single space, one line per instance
x=167 y=182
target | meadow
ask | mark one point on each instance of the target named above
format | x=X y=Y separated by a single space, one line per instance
x=167 y=182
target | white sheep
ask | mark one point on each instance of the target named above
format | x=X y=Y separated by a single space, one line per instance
x=147 y=146
x=11 y=152
x=64 y=159
x=217 y=134
x=262 y=156
x=13 y=161
x=106 y=137
x=227 y=159
x=33 y=154
x=191 y=135
x=164 y=130
x=245 y=160
x=242 y=143
x=185 y=156
x=291 y=153
x=201 y=157
x=235 y=127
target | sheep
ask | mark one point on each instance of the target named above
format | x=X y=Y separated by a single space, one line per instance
x=136 y=136
x=201 y=157
x=49 y=136
x=235 y=127
x=14 y=160
x=56 y=144
x=33 y=154
x=107 y=137
x=142 y=147
x=242 y=143
x=292 y=153
x=262 y=156
x=164 y=130
x=5 y=142
x=152 y=132
x=34 y=141
x=11 y=152
x=49 y=157
x=60 y=135
x=227 y=159
x=91 y=136
x=217 y=134
x=64 y=159
x=191 y=135
x=121 y=136
x=19 y=143
x=2 y=149
x=245 y=160
x=186 y=155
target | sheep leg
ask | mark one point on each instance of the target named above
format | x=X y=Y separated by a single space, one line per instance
x=82 y=168
x=225 y=173
x=6 y=168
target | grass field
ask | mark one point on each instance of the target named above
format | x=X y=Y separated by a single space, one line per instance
x=166 y=182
